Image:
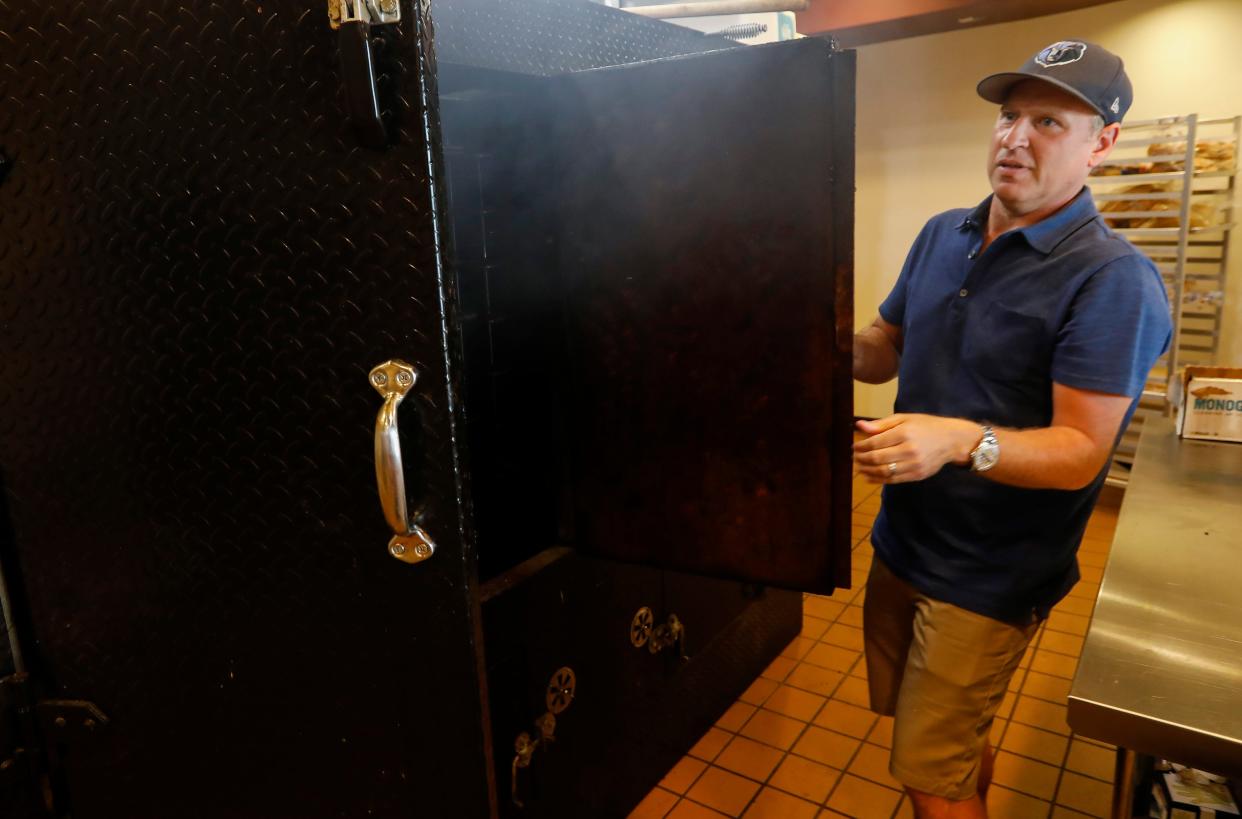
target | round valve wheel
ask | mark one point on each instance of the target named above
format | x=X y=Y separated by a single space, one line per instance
x=561 y=690
x=640 y=627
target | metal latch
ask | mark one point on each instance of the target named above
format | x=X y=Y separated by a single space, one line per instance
x=558 y=697
x=373 y=12
x=31 y=731
x=645 y=632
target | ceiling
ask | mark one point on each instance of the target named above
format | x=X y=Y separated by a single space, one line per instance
x=859 y=22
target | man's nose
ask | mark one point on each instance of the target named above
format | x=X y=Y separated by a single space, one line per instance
x=1015 y=134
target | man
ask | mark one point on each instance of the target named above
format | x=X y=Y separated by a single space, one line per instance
x=1022 y=332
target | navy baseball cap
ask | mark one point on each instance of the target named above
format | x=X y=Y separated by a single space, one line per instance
x=1093 y=74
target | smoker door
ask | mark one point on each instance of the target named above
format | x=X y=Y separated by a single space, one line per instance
x=707 y=263
x=199 y=265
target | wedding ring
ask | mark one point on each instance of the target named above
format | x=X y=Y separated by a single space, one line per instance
x=892 y=469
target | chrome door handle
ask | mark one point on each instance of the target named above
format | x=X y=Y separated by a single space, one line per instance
x=393 y=380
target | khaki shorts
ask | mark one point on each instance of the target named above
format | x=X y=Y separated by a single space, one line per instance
x=942 y=672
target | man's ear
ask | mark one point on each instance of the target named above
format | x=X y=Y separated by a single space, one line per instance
x=1104 y=142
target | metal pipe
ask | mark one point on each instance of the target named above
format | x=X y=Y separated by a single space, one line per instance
x=714 y=7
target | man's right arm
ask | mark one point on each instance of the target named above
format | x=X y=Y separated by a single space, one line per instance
x=877 y=352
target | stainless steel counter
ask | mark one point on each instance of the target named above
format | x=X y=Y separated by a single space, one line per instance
x=1161 y=668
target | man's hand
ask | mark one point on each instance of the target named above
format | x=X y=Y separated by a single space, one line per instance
x=903 y=448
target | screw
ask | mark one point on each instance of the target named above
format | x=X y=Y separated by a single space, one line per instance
x=404 y=379
x=422 y=550
x=59 y=722
x=397 y=549
x=379 y=379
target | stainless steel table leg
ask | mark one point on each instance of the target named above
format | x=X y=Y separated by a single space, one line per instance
x=1123 y=785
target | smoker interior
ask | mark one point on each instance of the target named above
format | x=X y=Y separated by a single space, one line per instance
x=503 y=125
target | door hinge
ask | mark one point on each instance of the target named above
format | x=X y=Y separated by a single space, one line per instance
x=32 y=731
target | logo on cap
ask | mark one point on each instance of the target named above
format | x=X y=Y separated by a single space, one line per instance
x=1062 y=53
x=1116 y=106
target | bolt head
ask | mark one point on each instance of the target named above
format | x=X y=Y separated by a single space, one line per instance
x=422 y=549
x=397 y=549
x=404 y=379
x=379 y=379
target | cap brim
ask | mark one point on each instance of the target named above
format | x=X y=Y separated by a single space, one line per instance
x=996 y=88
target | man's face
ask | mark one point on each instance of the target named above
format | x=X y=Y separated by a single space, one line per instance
x=1043 y=146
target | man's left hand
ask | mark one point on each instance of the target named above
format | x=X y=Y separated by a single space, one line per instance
x=908 y=447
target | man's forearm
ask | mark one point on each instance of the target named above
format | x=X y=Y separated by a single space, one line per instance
x=1054 y=457
x=875 y=357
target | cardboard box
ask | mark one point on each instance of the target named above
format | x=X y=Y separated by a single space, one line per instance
x=1209 y=407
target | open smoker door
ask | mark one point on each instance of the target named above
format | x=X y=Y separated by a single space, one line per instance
x=707 y=259
x=199 y=265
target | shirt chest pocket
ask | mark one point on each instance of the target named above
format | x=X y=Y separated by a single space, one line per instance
x=1007 y=345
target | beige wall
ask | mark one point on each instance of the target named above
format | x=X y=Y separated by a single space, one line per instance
x=922 y=131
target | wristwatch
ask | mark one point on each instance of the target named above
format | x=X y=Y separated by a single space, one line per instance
x=984 y=456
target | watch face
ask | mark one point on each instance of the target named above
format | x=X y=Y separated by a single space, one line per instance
x=985 y=456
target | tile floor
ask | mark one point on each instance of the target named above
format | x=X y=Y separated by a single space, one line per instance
x=801 y=744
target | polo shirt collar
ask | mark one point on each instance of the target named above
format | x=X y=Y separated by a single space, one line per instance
x=1044 y=236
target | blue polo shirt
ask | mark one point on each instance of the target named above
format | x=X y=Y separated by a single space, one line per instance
x=985 y=336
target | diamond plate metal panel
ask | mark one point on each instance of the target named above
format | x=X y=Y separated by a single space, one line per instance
x=197 y=269
x=547 y=37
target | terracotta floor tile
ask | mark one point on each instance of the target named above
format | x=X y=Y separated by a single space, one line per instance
x=854 y=691
x=749 y=758
x=862 y=799
x=832 y=656
x=1092 y=558
x=1069 y=623
x=773 y=728
x=779 y=668
x=759 y=690
x=827 y=747
x=810 y=677
x=871 y=762
x=1026 y=775
x=1046 y=687
x=1062 y=812
x=1016 y=679
x=805 y=778
x=1085 y=794
x=1082 y=606
x=845 y=718
x=733 y=719
x=1049 y=716
x=997 y=731
x=1006 y=804
x=1091 y=573
x=692 y=810
x=852 y=616
x=1034 y=743
x=845 y=636
x=1085 y=589
x=862 y=519
x=723 y=791
x=1092 y=760
x=822 y=607
x=882 y=733
x=1006 y=707
x=682 y=775
x=905 y=810
x=711 y=744
x=794 y=702
x=798 y=648
x=843 y=596
x=1058 y=665
x=859 y=534
x=655 y=805
x=813 y=628
x=773 y=804
x=1060 y=642
x=859 y=670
